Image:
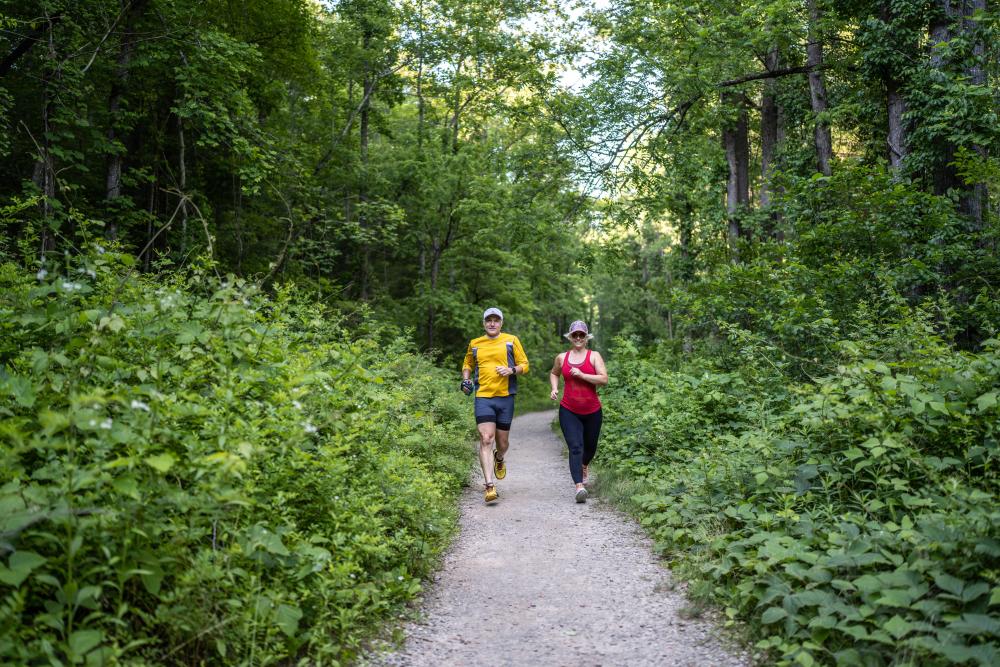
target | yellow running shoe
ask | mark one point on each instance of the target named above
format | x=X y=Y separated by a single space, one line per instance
x=499 y=467
x=491 y=494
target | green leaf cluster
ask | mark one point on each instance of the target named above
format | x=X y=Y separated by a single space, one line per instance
x=851 y=519
x=195 y=473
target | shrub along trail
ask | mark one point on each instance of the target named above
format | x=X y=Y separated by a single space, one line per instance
x=537 y=579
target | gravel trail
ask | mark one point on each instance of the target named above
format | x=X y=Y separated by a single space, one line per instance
x=537 y=579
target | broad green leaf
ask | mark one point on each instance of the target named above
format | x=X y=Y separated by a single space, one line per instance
x=52 y=422
x=82 y=641
x=19 y=567
x=987 y=401
x=897 y=627
x=976 y=624
x=866 y=583
x=287 y=618
x=970 y=593
x=162 y=462
x=773 y=615
x=948 y=583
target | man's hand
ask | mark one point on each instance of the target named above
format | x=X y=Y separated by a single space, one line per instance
x=467 y=387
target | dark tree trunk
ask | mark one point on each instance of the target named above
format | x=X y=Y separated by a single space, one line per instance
x=182 y=183
x=44 y=174
x=368 y=86
x=133 y=9
x=973 y=202
x=735 y=137
x=421 y=111
x=768 y=130
x=817 y=92
x=896 y=137
x=952 y=20
x=895 y=104
x=431 y=311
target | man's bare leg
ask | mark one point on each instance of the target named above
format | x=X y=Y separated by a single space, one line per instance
x=503 y=443
x=487 y=435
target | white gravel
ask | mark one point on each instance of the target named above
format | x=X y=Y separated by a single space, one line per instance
x=537 y=579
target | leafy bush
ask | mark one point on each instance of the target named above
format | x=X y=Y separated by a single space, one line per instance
x=852 y=519
x=195 y=473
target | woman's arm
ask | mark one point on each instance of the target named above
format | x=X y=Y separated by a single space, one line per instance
x=600 y=377
x=554 y=376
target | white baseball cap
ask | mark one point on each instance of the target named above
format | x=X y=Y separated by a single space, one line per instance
x=492 y=311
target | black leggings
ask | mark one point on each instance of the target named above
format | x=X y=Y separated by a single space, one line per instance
x=581 y=433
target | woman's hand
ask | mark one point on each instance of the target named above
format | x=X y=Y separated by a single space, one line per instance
x=554 y=394
x=576 y=372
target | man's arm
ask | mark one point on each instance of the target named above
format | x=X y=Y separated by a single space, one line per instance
x=521 y=365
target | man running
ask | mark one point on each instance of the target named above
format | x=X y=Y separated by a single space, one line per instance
x=492 y=364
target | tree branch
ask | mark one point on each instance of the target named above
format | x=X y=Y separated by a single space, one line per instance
x=26 y=44
x=773 y=74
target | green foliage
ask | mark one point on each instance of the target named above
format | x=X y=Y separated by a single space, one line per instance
x=194 y=473
x=851 y=519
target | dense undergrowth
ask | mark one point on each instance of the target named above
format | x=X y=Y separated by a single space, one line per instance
x=853 y=520
x=195 y=473
x=822 y=458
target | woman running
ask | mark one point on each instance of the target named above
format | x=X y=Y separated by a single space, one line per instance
x=580 y=413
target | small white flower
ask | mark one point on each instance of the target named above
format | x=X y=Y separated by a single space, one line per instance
x=91 y=273
x=100 y=250
x=106 y=424
x=97 y=406
x=41 y=274
x=309 y=428
x=352 y=575
x=297 y=405
x=400 y=577
x=139 y=405
x=92 y=423
x=70 y=286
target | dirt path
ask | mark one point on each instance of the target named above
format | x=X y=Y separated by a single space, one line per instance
x=537 y=579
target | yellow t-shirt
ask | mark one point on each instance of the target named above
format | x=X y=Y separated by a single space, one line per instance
x=483 y=357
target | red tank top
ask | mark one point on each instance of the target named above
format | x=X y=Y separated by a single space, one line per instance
x=579 y=396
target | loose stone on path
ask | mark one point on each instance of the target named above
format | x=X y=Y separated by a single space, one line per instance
x=538 y=579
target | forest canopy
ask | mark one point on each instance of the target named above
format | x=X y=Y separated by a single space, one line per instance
x=779 y=217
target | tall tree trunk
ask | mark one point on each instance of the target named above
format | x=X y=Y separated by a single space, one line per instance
x=132 y=9
x=768 y=129
x=953 y=20
x=182 y=184
x=421 y=111
x=895 y=104
x=771 y=134
x=896 y=137
x=735 y=137
x=431 y=310
x=368 y=84
x=451 y=138
x=973 y=202
x=45 y=173
x=817 y=92
x=238 y=221
x=151 y=210
x=943 y=177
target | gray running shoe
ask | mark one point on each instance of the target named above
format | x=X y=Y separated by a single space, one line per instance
x=581 y=495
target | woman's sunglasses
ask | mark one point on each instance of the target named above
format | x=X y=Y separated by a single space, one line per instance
x=578 y=335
